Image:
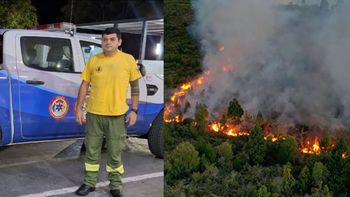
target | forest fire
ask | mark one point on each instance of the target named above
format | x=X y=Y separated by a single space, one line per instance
x=272 y=119
x=177 y=98
x=309 y=146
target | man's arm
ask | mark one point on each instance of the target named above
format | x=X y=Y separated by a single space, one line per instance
x=80 y=100
x=135 y=93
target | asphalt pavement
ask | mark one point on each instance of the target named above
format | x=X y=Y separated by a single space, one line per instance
x=56 y=169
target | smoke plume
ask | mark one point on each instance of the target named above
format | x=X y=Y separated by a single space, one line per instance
x=291 y=62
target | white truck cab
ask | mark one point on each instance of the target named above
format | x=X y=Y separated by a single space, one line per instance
x=39 y=81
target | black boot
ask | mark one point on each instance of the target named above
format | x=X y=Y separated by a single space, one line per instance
x=84 y=190
x=116 y=193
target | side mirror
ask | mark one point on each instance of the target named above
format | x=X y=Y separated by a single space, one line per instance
x=142 y=69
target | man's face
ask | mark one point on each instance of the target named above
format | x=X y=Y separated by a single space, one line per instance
x=110 y=42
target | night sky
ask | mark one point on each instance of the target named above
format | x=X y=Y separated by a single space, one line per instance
x=50 y=11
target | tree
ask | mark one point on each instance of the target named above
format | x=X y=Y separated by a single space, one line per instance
x=168 y=138
x=256 y=147
x=337 y=168
x=224 y=150
x=182 y=55
x=201 y=117
x=317 y=174
x=182 y=161
x=340 y=148
x=346 y=175
x=17 y=14
x=286 y=149
x=238 y=162
x=304 y=179
x=176 y=190
x=288 y=180
x=318 y=177
x=234 y=109
x=262 y=192
x=206 y=149
x=325 y=139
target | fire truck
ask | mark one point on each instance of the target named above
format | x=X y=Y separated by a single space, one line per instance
x=40 y=78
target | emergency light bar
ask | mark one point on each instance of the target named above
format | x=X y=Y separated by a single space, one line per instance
x=63 y=27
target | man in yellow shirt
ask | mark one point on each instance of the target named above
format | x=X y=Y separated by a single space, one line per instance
x=108 y=74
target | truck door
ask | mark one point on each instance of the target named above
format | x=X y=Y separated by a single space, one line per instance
x=48 y=87
x=5 y=103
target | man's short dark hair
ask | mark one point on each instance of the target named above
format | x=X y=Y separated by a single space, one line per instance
x=112 y=30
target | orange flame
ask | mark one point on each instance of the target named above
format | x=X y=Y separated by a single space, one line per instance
x=272 y=137
x=215 y=127
x=344 y=155
x=176 y=99
x=186 y=86
x=200 y=80
x=312 y=149
x=227 y=129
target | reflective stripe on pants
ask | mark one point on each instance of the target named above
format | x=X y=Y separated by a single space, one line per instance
x=92 y=167
x=119 y=169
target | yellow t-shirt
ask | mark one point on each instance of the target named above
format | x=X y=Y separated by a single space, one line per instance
x=109 y=78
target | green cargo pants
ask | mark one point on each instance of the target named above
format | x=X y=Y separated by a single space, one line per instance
x=113 y=128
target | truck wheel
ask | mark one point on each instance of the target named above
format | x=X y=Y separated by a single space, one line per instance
x=155 y=136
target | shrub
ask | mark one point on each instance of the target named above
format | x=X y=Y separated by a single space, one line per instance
x=225 y=150
x=182 y=161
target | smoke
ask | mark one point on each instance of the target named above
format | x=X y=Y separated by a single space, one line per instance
x=291 y=63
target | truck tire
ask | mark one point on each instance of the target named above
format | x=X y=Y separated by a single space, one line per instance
x=155 y=136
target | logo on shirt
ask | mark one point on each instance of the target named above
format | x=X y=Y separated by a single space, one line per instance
x=99 y=69
x=58 y=107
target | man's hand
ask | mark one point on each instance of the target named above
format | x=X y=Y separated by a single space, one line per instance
x=131 y=118
x=78 y=111
x=79 y=116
